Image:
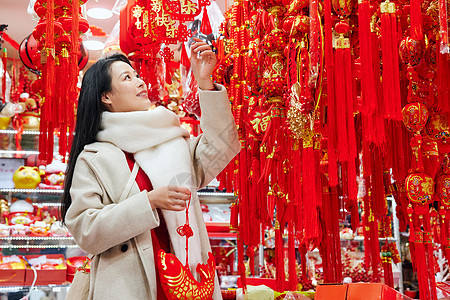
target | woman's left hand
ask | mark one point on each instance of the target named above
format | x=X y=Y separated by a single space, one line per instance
x=203 y=61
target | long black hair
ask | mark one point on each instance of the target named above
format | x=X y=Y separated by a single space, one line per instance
x=96 y=82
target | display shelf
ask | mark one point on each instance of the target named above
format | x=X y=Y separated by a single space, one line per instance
x=53 y=287
x=18 y=152
x=25 y=132
x=24 y=287
x=219 y=197
x=37 y=242
x=31 y=191
x=36 y=238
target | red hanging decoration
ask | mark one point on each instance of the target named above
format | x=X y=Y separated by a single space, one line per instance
x=391 y=76
x=205 y=27
x=177 y=280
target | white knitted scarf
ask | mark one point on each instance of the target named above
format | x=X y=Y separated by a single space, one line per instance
x=160 y=148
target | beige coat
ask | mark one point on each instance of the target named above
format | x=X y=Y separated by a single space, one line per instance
x=118 y=231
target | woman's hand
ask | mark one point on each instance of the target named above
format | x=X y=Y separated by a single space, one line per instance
x=169 y=197
x=203 y=61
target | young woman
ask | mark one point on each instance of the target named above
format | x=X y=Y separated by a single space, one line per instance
x=132 y=170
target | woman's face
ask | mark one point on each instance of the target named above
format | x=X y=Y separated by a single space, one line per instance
x=128 y=91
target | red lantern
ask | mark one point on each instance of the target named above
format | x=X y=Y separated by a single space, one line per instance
x=28 y=53
x=39 y=30
x=415 y=116
x=343 y=8
x=411 y=51
x=296 y=26
x=274 y=43
x=437 y=127
x=419 y=188
x=443 y=188
x=274 y=86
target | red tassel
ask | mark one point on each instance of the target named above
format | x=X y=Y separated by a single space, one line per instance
x=331 y=109
x=416 y=27
x=378 y=192
x=443 y=75
x=341 y=100
x=205 y=26
x=368 y=90
x=279 y=256
x=311 y=226
x=391 y=78
x=4 y=61
x=241 y=266
x=428 y=241
x=184 y=60
x=291 y=254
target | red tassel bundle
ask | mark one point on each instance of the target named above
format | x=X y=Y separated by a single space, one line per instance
x=368 y=88
x=48 y=62
x=391 y=77
x=443 y=75
x=416 y=25
x=310 y=221
x=4 y=62
x=331 y=107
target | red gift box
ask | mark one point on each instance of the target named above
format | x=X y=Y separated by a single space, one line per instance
x=358 y=291
x=270 y=282
x=9 y=276
x=332 y=291
x=49 y=273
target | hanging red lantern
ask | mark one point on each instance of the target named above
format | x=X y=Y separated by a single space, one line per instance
x=411 y=51
x=66 y=23
x=419 y=188
x=296 y=26
x=295 y=6
x=274 y=43
x=28 y=53
x=39 y=30
x=415 y=116
x=437 y=127
x=342 y=8
x=443 y=188
x=274 y=86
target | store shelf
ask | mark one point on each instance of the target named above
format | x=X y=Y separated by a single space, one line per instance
x=54 y=287
x=37 y=242
x=13 y=131
x=36 y=238
x=17 y=152
x=211 y=197
x=31 y=191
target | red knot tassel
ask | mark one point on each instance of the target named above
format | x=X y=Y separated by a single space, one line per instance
x=331 y=108
x=291 y=254
x=4 y=61
x=340 y=100
x=416 y=27
x=368 y=89
x=389 y=48
x=311 y=225
x=443 y=75
x=279 y=256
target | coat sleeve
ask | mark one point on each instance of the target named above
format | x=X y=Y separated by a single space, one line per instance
x=218 y=144
x=96 y=226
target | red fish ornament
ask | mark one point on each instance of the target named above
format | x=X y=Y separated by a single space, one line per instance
x=177 y=280
x=179 y=283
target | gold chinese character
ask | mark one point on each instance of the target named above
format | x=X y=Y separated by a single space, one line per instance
x=188 y=7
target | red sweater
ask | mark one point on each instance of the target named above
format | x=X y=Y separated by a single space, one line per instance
x=160 y=235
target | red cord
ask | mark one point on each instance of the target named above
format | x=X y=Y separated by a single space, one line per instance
x=186 y=230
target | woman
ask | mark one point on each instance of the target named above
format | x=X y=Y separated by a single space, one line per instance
x=131 y=172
